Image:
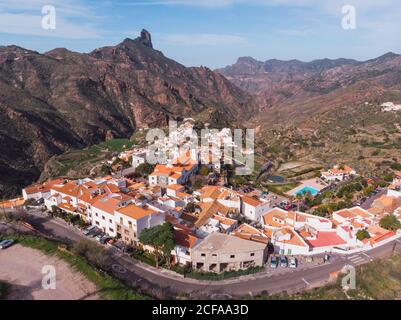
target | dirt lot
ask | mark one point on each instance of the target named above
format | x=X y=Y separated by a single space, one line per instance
x=22 y=268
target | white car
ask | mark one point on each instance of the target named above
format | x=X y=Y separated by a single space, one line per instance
x=6 y=243
x=292 y=263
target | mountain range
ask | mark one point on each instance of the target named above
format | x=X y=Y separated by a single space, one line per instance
x=61 y=100
x=299 y=89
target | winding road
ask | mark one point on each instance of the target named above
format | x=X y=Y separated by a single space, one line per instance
x=136 y=273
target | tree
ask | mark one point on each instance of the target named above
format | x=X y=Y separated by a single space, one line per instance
x=94 y=253
x=191 y=207
x=29 y=202
x=204 y=171
x=198 y=184
x=362 y=234
x=144 y=169
x=390 y=222
x=161 y=238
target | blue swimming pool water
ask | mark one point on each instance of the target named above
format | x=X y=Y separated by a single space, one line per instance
x=306 y=189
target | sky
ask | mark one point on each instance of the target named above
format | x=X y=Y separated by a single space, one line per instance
x=211 y=33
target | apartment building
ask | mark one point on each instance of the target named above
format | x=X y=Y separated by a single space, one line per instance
x=221 y=252
x=132 y=219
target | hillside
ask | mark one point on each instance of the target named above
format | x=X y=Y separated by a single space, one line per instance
x=61 y=100
x=293 y=82
x=325 y=111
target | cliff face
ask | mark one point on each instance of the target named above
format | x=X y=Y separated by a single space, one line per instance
x=59 y=100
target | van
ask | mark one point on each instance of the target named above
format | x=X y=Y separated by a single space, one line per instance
x=88 y=230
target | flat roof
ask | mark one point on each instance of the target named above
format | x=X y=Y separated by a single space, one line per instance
x=223 y=243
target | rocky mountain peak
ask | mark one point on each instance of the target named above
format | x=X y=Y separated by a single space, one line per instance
x=146 y=38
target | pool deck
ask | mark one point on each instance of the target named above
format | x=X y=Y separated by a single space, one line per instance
x=313 y=183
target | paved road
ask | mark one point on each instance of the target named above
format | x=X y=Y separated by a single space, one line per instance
x=290 y=280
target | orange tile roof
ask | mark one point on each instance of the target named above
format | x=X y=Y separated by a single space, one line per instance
x=108 y=205
x=135 y=212
x=185 y=238
x=346 y=214
x=68 y=207
x=274 y=213
x=225 y=220
x=112 y=188
x=251 y=201
x=176 y=176
x=12 y=203
x=210 y=192
x=245 y=231
x=360 y=212
x=345 y=170
x=295 y=238
x=90 y=198
x=44 y=187
x=176 y=187
x=209 y=209
x=70 y=188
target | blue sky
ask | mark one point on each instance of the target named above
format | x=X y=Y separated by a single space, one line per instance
x=211 y=33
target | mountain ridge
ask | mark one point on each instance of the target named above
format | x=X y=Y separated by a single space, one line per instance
x=62 y=100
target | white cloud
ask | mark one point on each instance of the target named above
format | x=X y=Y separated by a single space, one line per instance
x=203 y=39
x=296 y=32
x=73 y=19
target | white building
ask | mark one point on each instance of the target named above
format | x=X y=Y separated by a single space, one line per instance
x=253 y=208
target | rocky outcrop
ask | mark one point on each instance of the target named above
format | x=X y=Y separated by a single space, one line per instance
x=59 y=100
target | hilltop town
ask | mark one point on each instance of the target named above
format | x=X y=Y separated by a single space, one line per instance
x=215 y=226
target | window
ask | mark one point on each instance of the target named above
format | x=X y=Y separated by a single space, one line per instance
x=103 y=218
x=130 y=224
x=252 y=254
x=110 y=221
x=111 y=229
x=232 y=256
x=214 y=255
x=97 y=222
x=121 y=221
x=96 y=214
x=203 y=255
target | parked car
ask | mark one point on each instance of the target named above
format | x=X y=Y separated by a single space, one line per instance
x=90 y=229
x=100 y=236
x=6 y=243
x=292 y=263
x=283 y=262
x=104 y=239
x=273 y=262
x=95 y=233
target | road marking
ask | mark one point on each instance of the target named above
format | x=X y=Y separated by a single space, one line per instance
x=307 y=283
x=366 y=255
x=357 y=259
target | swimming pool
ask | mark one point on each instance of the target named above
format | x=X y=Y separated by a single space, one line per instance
x=306 y=189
